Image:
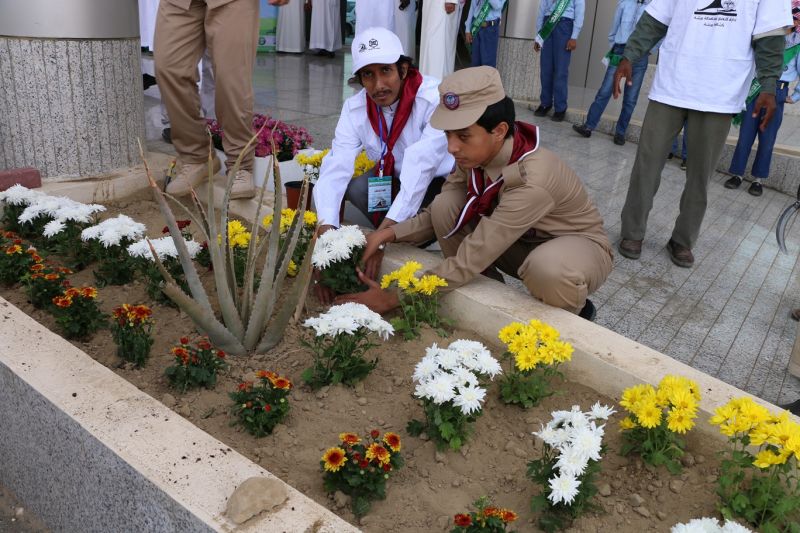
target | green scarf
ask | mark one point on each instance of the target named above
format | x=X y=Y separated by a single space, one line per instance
x=551 y=22
x=613 y=59
x=755 y=87
x=481 y=16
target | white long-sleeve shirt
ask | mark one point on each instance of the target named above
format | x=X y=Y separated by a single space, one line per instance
x=420 y=154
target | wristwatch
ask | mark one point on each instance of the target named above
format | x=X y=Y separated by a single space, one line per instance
x=382 y=246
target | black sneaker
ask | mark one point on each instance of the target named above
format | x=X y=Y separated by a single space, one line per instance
x=582 y=130
x=683 y=165
x=589 y=311
x=755 y=188
x=733 y=182
x=619 y=140
x=793 y=407
x=541 y=111
x=148 y=81
x=166 y=134
x=558 y=116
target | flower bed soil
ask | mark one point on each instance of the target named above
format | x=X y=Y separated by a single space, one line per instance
x=433 y=486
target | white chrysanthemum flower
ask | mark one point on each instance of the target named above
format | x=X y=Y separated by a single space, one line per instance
x=588 y=441
x=448 y=359
x=601 y=412
x=347 y=318
x=53 y=228
x=576 y=418
x=41 y=205
x=488 y=365
x=110 y=232
x=469 y=351
x=426 y=368
x=464 y=376
x=572 y=461
x=548 y=435
x=469 y=399
x=337 y=245
x=733 y=527
x=564 y=488
x=440 y=388
x=164 y=247
x=19 y=195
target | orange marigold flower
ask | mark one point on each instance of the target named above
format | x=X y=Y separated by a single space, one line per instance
x=374 y=433
x=491 y=511
x=141 y=311
x=88 y=292
x=36 y=258
x=180 y=351
x=263 y=374
x=62 y=301
x=377 y=453
x=15 y=249
x=245 y=385
x=282 y=383
x=9 y=235
x=350 y=439
x=37 y=267
x=37 y=275
x=72 y=292
x=204 y=345
x=64 y=270
x=462 y=520
x=334 y=459
x=51 y=276
x=119 y=311
x=392 y=440
x=508 y=515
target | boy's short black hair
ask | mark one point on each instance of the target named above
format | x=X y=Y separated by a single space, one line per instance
x=356 y=79
x=502 y=111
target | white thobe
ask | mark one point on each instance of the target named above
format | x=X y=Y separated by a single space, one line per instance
x=437 y=49
x=405 y=26
x=375 y=14
x=420 y=154
x=291 y=28
x=147 y=21
x=326 y=25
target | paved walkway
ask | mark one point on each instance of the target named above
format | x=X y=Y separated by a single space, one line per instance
x=728 y=316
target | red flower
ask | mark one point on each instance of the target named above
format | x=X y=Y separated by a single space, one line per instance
x=62 y=301
x=282 y=383
x=220 y=354
x=181 y=224
x=184 y=340
x=37 y=267
x=462 y=520
x=356 y=456
x=374 y=433
x=363 y=464
x=387 y=467
x=245 y=385
x=268 y=408
x=204 y=345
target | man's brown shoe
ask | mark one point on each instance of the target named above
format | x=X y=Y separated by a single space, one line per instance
x=630 y=248
x=680 y=255
x=243 y=185
x=189 y=176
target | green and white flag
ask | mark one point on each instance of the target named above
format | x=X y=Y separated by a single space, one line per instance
x=550 y=23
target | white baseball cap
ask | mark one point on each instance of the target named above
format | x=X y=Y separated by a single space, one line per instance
x=375 y=46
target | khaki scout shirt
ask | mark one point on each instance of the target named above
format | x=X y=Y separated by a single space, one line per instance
x=539 y=193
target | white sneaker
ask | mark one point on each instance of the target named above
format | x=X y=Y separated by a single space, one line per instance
x=243 y=185
x=189 y=176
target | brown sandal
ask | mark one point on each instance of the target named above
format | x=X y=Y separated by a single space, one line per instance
x=795 y=314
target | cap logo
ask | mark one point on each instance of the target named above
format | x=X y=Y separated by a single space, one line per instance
x=373 y=43
x=450 y=101
x=362 y=48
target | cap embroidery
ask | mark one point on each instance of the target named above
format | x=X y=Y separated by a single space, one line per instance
x=373 y=43
x=362 y=48
x=450 y=101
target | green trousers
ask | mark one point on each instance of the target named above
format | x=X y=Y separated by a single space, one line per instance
x=706 y=134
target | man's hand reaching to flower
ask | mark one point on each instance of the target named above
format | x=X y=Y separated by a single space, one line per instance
x=373 y=253
x=377 y=299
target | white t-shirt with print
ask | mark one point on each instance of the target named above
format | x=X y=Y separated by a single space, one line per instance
x=706 y=59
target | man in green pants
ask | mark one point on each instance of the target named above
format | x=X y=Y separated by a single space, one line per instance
x=703 y=75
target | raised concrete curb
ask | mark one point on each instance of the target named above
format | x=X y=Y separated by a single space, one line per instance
x=603 y=360
x=90 y=452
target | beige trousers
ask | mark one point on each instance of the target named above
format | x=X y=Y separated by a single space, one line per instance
x=230 y=32
x=561 y=271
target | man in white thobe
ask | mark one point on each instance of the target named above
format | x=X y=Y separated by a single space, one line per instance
x=405 y=25
x=375 y=14
x=437 y=49
x=291 y=35
x=326 y=27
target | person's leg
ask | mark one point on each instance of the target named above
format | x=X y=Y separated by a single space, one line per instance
x=489 y=45
x=232 y=35
x=766 y=138
x=563 y=271
x=357 y=193
x=661 y=124
x=477 y=39
x=601 y=99
x=179 y=44
x=708 y=132
x=748 y=130
x=562 y=33
x=546 y=71
x=631 y=96
x=445 y=209
x=207 y=87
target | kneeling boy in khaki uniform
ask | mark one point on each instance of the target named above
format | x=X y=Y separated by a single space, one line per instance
x=510 y=205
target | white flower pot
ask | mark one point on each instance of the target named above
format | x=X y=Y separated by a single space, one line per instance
x=290 y=170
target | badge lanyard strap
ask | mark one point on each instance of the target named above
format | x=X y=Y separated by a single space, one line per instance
x=384 y=147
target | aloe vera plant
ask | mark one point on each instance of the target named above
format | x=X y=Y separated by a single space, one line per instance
x=251 y=318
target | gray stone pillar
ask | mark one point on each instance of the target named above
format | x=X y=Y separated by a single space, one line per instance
x=71 y=102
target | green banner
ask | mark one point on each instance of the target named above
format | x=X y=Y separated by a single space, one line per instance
x=551 y=22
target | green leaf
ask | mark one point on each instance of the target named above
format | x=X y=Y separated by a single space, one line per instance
x=361 y=506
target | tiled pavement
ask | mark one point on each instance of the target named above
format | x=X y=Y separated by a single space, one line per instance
x=728 y=316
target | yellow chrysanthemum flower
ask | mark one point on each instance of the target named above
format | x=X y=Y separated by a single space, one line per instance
x=627 y=423
x=680 y=420
x=428 y=285
x=309 y=218
x=781 y=432
x=759 y=434
x=767 y=458
x=633 y=395
x=334 y=459
x=292 y=270
x=362 y=164
x=648 y=413
x=510 y=331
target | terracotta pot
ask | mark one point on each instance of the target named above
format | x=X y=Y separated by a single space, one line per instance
x=293 y=194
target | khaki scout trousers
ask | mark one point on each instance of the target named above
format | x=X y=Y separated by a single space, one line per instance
x=230 y=32
x=561 y=272
x=706 y=133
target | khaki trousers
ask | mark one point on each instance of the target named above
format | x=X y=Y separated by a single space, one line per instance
x=706 y=134
x=561 y=271
x=230 y=32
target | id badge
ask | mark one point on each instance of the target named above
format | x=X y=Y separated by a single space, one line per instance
x=379 y=194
